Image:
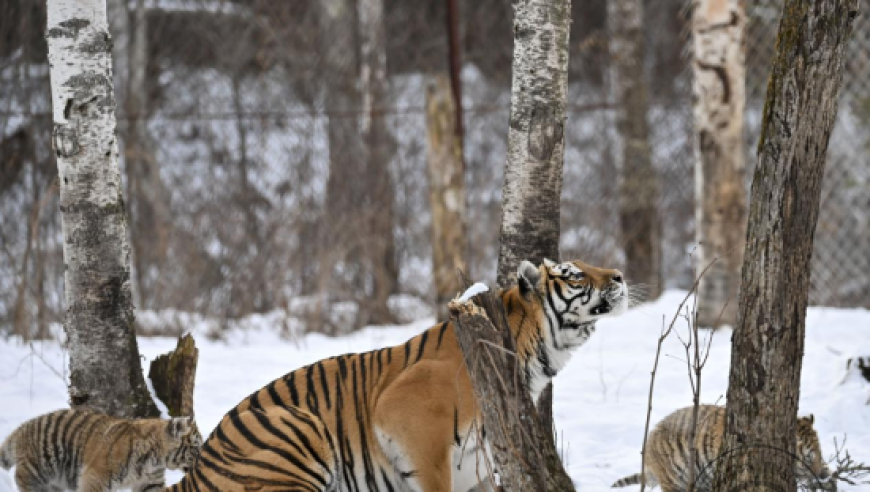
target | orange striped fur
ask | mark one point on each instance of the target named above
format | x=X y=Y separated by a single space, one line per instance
x=668 y=448
x=400 y=418
x=89 y=451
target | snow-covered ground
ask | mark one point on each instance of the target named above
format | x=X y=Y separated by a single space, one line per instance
x=600 y=396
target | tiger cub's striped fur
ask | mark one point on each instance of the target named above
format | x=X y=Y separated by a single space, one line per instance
x=667 y=450
x=278 y=449
x=403 y=418
x=89 y=451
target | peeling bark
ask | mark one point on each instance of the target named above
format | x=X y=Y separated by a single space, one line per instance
x=173 y=376
x=638 y=191
x=105 y=372
x=768 y=342
x=446 y=192
x=718 y=67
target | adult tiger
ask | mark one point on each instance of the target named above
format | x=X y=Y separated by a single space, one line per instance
x=402 y=416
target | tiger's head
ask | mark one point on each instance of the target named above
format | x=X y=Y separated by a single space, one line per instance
x=553 y=310
x=183 y=443
x=809 y=451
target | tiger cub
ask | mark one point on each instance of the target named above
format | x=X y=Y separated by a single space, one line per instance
x=668 y=452
x=88 y=451
x=267 y=450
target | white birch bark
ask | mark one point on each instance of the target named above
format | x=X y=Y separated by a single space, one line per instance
x=531 y=200
x=536 y=143
x=446 y=191
x=718 y=68
x=105 y=371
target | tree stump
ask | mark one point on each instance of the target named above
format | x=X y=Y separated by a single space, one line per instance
x=172 y=375
x=524 y=451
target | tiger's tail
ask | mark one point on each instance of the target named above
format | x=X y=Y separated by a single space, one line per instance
x=7 y=454
x=634 y=480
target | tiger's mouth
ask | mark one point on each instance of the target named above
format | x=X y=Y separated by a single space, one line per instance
x=601 y=309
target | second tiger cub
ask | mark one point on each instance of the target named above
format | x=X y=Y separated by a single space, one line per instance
x=89 y=451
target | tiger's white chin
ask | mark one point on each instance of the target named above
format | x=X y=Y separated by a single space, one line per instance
x=609 y=305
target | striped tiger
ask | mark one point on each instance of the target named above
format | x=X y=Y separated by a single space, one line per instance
x=271 y=450
x=404 y=418
x=667 y=448
x=88 y=451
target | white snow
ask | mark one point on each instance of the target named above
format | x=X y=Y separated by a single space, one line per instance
x=600 y=396
x=477 y=288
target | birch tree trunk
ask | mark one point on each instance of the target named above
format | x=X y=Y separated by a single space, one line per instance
x=105 y=371
x=531 y=199
x=718 y=30
x=536 y=141
x=381 y=250
x=446 y=191
x=768 y=342
x=638 y=191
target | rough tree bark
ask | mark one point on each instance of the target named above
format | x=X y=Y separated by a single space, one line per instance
x=105 y=372
x=173 y=376
x=718 y=67
x=525 y=455
x=638 y=190
x=531 y=199
x=446 y=191
x=768 y=342
x=381 y=250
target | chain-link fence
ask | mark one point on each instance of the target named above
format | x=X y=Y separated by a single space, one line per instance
x=240 y=124
x=841 y=255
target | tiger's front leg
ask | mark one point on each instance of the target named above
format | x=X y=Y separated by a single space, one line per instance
x=153 y=482
x=417 y=433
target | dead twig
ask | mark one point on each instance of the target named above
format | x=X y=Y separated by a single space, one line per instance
x=662 y=337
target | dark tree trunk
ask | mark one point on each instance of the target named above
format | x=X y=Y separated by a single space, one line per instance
x=147 y=237
x=381 y=264
x=638 y=191
x=768 y=342
x=105 y=372
x=173 y=377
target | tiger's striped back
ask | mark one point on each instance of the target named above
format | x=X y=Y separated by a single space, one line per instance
x=405 y=417
x=87 y=450
x=278 y=449
x=668 y=450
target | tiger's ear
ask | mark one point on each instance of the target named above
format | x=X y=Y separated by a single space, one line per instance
x=179 y=426
x=528 y=277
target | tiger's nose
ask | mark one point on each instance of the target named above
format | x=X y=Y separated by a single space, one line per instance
x=617 y=277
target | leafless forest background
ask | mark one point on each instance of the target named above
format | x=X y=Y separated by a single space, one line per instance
x=266 y=171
